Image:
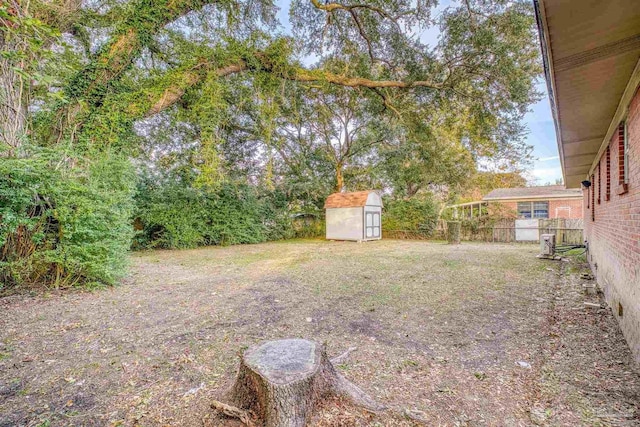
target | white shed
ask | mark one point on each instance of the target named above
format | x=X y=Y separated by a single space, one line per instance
x=354 y=216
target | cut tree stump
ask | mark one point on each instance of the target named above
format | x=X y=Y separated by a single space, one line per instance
x=282 y=381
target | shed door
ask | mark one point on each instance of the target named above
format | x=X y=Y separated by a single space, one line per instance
x=372 y=225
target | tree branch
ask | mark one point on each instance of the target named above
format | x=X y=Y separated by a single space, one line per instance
x=330 y=7
x=304 y=75
x=362 y=33
x=193 y=76
x=385 y=102
x=172 y=94
x=117 y=57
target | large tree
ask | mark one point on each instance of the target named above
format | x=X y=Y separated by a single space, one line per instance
x=199 y=92
x=333 y=125
x=483 y=182
x=144 y=56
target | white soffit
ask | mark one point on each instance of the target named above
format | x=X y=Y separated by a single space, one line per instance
x=591 y=49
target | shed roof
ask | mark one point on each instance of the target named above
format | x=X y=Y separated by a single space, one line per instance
x=541 y=192
x=348 y=200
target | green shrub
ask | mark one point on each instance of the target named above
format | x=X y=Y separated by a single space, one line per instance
x=275 y=215
x=417 y=214
x=169 y=217
x=308 y=226
x=180 y=216
x=64 y=221
x=234 y=216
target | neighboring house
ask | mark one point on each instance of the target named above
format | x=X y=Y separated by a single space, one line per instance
x=591 y=52
x=550 y=201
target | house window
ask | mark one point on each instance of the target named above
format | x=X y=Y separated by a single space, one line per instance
x=533 y=210
x=524 y=210
x=623 y=158
x=625 y=145
x=599 y=182
x=541 y=209
x=607 y=195
x=593 y=194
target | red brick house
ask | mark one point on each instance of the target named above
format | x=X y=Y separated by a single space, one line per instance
x=549 y=201
x=591 y=52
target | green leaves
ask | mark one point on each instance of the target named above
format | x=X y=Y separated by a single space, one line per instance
x=417 y=214
x=64 y=225
x=178 y=216
x=260 y=129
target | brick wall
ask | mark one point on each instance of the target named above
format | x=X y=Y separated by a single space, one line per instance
x=569 y=208
x=614 y=232
x=558 y=208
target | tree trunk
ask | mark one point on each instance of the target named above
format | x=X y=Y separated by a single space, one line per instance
x=13 y=98
x=13 y=114
x=339 y=178
x=412 y=189
x=453 y=232
x=282 y=381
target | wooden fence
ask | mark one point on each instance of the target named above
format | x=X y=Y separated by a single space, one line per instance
x=567 y=231
x=408 y=235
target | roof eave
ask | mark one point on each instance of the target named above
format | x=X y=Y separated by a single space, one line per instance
x=549 y=76
x=587 y=50
x=620 y=114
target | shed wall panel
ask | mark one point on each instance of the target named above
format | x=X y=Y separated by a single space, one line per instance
x=344 y=224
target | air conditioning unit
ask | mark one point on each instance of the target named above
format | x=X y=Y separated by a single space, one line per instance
x=547 y=245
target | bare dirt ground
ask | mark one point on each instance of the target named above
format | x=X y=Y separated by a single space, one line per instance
x=440 y=330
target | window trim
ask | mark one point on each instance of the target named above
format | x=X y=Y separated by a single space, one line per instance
x=607 y=194
x=625 y=144
x=530 y=210
x=533 y=209
x=599 y=181
x=593 y=195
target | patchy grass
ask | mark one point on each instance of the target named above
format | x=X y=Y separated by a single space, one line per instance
x=439 y=330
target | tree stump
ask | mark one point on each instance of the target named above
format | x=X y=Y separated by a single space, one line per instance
x=453 y=232
x=282 y=381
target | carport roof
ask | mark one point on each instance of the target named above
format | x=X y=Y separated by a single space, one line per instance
x=541 y=192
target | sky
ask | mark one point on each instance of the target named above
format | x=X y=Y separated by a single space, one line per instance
x=542 y=136
x=539 y=121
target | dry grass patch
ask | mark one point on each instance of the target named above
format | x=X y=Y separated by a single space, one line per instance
x=439 y=330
